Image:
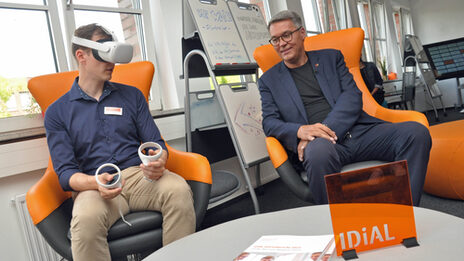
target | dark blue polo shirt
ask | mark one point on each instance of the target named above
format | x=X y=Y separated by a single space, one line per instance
x=83 y=133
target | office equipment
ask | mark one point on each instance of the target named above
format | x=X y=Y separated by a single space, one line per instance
x=242 y=107
x=218 y=32
x=215 y=46
x=251 y=25
x=146 y=158
x=50 y=207
x=115 y=182
x=447 y=60
x=414 y=55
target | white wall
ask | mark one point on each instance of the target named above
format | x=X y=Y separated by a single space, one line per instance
x=12 y=241
x=436 y=21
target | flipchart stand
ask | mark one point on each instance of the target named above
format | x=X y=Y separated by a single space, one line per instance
x=213 y=46
x=228 y=122
x=414 y=55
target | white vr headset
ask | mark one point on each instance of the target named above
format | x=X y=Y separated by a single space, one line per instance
x=107 y=50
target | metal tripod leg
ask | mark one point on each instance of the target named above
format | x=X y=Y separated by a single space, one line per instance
x=443 y=106
x=429 y=95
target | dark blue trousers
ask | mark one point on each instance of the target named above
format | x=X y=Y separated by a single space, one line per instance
x=384 y=141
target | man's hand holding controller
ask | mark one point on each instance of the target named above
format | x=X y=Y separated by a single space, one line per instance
x=109 y=185
x=153 y=164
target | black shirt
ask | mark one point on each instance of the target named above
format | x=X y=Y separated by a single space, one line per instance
x=316 y=105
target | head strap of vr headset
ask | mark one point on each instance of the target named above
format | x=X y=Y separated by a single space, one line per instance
x=96 y=45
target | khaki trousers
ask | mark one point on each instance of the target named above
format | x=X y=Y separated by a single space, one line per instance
x=92 y=216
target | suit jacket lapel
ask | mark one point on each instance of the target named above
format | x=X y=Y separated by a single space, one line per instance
x=319 y=72
x=287 y=82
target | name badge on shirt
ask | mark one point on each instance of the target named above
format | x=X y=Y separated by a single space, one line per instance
x=113 y=111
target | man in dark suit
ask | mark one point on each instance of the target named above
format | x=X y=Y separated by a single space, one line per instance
x=312 y=105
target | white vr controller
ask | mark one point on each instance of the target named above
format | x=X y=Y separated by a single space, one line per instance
x=115 y=182
x=147 y=158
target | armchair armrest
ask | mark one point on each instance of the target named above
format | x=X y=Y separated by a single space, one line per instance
x=45 y=196
x=401 y=116
x=276 y=152
x=191 y=166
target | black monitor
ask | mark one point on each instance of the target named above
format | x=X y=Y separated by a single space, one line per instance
x=446 y=58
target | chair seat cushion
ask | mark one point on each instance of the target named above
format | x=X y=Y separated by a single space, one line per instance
x=362 y=165
x=141 y=221
x=224 y=184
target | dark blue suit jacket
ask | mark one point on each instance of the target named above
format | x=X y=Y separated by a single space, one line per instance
x=283 y=110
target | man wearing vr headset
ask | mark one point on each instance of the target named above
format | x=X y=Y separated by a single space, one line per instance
x=99 y=121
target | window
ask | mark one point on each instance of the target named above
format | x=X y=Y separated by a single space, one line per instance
x=403 y=25
x=372 y=18
x=380 y=36
x=38 y=43
x=364 y=18
x=311 y=17
x=323 y=16
x=331 y=23
x=34 y=47
x=340 y=13
x=125 y=18
x=28 y=52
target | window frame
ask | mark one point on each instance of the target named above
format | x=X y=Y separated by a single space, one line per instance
x=21 y=126
x=141 y=7
x=316 y=17
x=372 y=37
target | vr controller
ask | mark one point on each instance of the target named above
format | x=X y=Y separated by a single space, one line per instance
x=107 y=50
x=147 y=158
x=115 y=182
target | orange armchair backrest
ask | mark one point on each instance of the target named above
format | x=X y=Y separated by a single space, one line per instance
x=347 y=41
x=350 y=43
x=48 y=88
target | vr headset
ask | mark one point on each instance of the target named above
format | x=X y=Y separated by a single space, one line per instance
x=107 y=50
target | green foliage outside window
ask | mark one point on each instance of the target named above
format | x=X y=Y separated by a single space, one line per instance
x=225 y=80
x=8 y=89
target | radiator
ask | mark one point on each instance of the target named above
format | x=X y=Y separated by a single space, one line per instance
x=37 y=248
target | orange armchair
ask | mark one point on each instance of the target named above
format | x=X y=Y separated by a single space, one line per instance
x=50 y=207
x=349 y=42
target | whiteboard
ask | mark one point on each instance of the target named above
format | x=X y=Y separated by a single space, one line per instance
x=218 y=32
x=243 y=108
x=251 y=26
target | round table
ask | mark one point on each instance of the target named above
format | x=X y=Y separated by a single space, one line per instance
x=440 y=236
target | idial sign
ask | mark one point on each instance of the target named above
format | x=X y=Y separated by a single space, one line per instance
x=371 y=208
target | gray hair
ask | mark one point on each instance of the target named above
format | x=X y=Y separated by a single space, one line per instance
x=286 y=15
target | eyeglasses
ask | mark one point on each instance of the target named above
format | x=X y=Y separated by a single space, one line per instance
x=286 y=37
